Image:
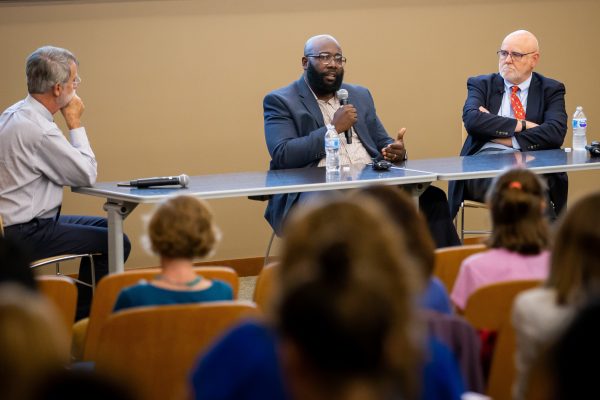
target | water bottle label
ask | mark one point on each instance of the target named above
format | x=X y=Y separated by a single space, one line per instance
x=333 y=143
x=579 y=123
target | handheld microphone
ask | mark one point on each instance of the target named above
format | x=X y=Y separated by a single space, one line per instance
x=181 y=180
x=342 y=94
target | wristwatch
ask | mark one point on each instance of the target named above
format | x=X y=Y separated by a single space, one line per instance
x=523 y=125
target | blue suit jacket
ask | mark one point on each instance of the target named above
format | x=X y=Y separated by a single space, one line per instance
x=545 y=106
x=295 y=133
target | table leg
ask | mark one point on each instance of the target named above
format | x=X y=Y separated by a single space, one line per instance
x=116 y=211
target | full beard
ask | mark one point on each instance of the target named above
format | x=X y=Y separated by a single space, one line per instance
x=317 y=82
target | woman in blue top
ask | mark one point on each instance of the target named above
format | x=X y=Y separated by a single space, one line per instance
x=181 y=230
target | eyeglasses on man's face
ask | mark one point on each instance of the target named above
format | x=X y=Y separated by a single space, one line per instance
x=516 y=56
x=327 y=58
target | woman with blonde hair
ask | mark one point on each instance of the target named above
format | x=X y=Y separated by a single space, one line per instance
x=519 y=241
x=540 y=314
x=181 y=230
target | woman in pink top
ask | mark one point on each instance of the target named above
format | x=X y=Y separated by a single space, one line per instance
x=519 y=240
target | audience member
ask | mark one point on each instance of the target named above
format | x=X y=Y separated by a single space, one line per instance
x=540 y=314
x=181 y=230
x=247 y=362
x=37 y=161
x=402 y=210
x=519 y=238
x=573 y=359
x=14 y=264
x=33 y=341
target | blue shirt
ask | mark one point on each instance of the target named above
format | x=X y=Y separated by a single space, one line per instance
x=145 y=294
x=436 y=297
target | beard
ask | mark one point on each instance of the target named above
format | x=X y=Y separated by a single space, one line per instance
x=317 y=82
x=65 y=98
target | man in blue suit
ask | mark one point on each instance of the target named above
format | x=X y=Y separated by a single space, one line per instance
x=298 y=115
x=513 y=110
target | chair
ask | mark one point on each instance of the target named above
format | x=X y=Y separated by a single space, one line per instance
x=60 y=258
x=263 y=291
x=449 y=259
x=490 y=308
x=110 y=287
x=469 y=204
x=155 y=348
x=62 y=292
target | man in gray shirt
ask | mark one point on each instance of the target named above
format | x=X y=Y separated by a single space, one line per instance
x=36 y=161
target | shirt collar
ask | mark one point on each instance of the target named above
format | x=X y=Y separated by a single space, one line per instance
x=39 y=107
x=524 y=86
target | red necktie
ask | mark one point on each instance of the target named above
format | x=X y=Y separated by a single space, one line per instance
x=515 y=103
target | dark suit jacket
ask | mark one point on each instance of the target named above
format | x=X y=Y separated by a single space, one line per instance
x=545 y=106
x=295 y=134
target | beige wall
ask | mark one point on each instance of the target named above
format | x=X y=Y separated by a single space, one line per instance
x=177 y=86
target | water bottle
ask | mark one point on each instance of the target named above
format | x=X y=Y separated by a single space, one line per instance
x=579 y=128
x=332 y=150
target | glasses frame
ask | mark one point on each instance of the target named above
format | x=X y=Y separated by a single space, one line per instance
x=324 y=57
x=515 y=55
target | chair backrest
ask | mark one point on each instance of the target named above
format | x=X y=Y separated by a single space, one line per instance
x=62 y=292
x=155 y=348
x=490 y=308
x=449 y=259
x=263 y=291
x=108 y=290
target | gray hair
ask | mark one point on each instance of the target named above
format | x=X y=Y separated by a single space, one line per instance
x=48 y=66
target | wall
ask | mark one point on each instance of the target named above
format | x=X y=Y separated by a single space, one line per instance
x=176 y=87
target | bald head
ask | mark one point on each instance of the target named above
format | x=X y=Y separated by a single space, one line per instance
x=315 y=43
x=525 y=38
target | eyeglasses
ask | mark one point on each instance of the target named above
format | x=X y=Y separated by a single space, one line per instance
x=326 y=58
x=513 y=54
x=76 y=81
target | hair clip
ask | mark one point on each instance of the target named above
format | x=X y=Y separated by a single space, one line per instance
x=515 y=185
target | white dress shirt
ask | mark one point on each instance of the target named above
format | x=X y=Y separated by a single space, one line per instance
x=36 y=161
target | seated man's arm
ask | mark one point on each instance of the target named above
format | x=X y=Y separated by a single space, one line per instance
x=288 y=147
x=550 y=134
x=479 y=123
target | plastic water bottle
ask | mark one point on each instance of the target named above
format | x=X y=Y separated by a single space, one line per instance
x=579 y=128
x=332 y=150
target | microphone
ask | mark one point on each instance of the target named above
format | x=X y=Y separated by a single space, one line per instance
x=342 y=94
x=181 y=180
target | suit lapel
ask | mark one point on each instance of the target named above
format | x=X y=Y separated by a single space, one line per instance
x=534 y=101
x=497 y=93
x=309 y=101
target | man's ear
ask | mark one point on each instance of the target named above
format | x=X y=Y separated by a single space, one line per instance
x=304 y=62
x=57 y=89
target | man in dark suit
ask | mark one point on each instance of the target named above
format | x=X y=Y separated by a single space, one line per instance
x=513 y=110
x=298 y=115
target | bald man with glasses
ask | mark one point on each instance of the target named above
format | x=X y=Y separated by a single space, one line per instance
x=513 y=110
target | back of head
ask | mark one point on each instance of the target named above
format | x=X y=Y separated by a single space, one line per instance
x=32 y=340
x=14 y=264
x=48 y=66
x=575 y=265
x=517 y=200
x=573 y=359
x=346 y=298
x=398 y=205
x=183 y=227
